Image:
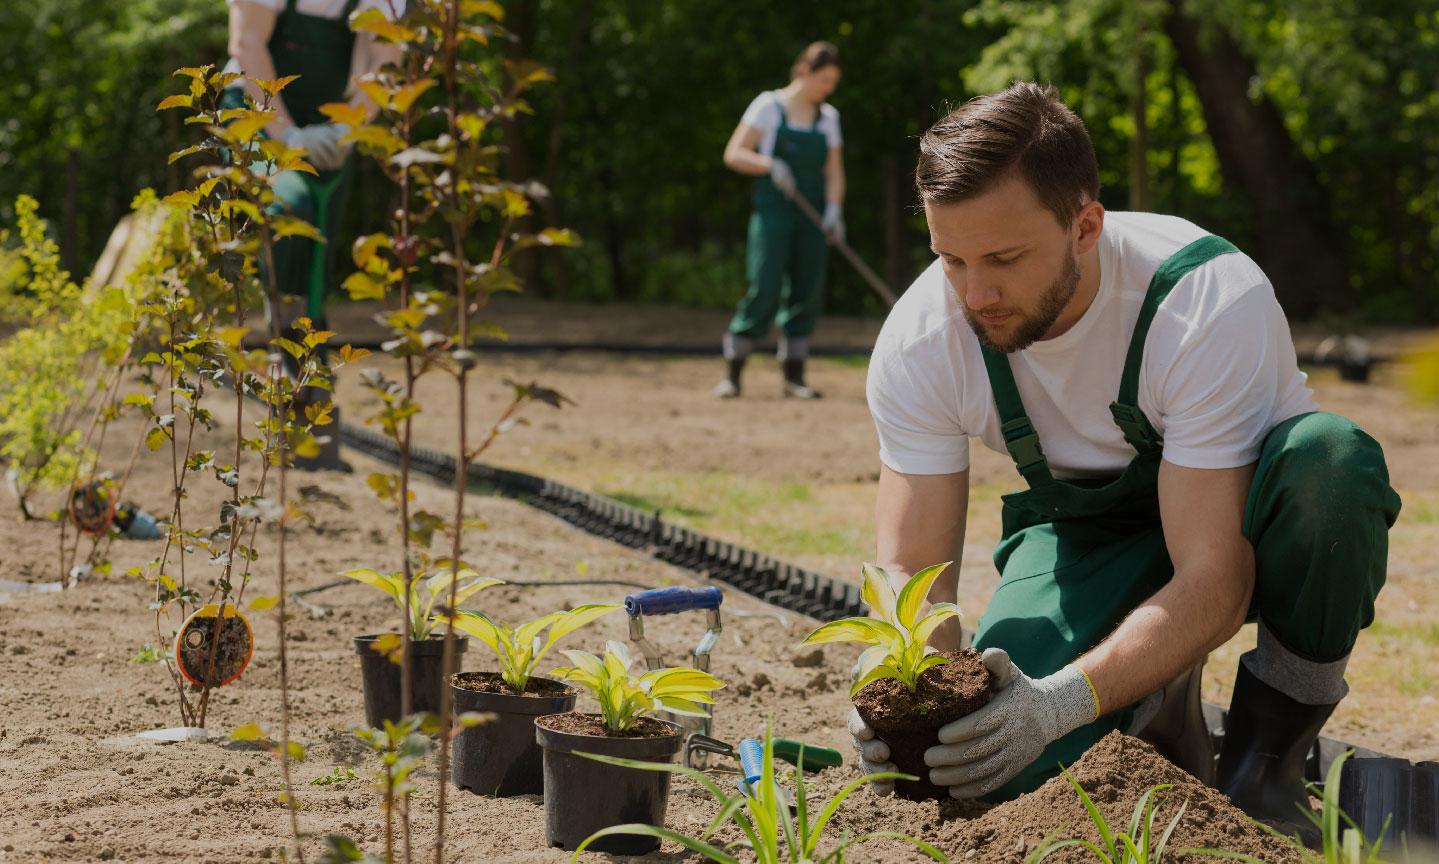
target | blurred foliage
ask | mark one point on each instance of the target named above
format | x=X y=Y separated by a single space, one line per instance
x=648 y=92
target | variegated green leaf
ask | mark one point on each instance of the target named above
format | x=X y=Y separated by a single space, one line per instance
x=913 y=594
x=877 y=592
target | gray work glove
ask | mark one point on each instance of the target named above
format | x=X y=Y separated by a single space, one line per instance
x=873 y=753
x=833 y=223
x=321 y=142
x=982 y=751
x=782 y=177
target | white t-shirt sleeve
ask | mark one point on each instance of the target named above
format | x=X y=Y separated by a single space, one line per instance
x=829 y=125
x=918 y=432
x=1225 y=383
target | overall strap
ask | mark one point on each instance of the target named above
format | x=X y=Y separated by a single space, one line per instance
x=1136 y=427
x=1020 y=439
x=290 y=7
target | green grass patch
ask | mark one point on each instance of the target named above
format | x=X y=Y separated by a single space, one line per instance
x=1426 y=633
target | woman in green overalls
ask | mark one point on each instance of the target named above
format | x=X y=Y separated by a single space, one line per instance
x=312 y=39
x=790 y=141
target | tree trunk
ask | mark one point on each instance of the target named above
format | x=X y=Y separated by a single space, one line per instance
x=1297 y=246
x=70 y=226
x=896 y=250
x=578 y=43
x=1141 y=198
x=520 y=19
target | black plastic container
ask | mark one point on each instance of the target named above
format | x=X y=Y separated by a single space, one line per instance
x=381 y=677
x=583 y=795
x=1372 y=789
x=502 y=758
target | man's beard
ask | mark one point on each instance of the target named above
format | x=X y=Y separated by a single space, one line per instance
x=1030 y=328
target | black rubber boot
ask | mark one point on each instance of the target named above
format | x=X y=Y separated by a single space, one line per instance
x=1178 y=730
x=728 y=387
x=1267 y=739
x=794 y=386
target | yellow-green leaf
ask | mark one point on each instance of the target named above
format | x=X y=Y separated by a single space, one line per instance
x=179 y=100
x=913 y=595
x=260 y=604
x=877 y=592
x=249 y=732
x=938 y=614
x=870 y=631
x=883 y=670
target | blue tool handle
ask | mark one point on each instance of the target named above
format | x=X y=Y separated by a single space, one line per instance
x=751 y=760
x=666 y=601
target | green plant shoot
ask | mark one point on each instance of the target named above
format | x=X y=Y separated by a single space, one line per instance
x=897 y=636
x=422 y=621
x=1132 y=848
x=521 y=648
x=624 y=699
x=764 y=817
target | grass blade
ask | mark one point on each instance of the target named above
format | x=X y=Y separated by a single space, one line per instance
x=713 y=853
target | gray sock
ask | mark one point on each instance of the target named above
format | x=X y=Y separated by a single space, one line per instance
x=737 y=347
x=793 y=348
x=1305 y=680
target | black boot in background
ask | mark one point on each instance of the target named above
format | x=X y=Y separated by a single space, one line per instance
x=728 y=388
x=1267 y=739
x=794 y=386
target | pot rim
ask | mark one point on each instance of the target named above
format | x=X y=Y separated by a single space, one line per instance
x=432 y=646
x=638 y=748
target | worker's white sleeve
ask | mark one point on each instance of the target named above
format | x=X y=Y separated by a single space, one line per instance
x=919 y=431
x=829 y=125
x=1220 y=393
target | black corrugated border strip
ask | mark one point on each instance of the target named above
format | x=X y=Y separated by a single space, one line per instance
x=771 y=580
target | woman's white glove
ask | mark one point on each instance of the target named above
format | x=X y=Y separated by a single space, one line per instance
x=833 y=222
x=873 y=753
x=321 y=142
x=782 y=176
x=984 y=750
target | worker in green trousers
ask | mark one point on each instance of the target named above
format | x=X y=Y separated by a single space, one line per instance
x=1179 y=479
x=312 y=39
x=789 y=140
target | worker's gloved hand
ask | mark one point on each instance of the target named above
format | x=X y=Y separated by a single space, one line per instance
x=782 y=176
x=873 y=753
x=982 y=751
x=833 y=223
x=321 y=143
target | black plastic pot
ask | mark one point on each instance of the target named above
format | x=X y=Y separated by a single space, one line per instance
x=502 y=758
x=583 y=795
x=381 y=677
x=1405 y=793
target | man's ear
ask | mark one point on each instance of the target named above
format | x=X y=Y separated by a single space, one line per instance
x=1088 y=225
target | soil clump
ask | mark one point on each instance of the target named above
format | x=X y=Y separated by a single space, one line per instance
x=909 y=722
x=591 y=724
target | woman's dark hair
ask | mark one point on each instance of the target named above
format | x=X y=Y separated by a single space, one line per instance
x=1023 y=128
x=814 y=58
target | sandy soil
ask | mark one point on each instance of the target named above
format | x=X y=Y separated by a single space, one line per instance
x=85 y=788
x=90 y=789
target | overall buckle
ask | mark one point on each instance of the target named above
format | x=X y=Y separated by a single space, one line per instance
x=1135 y=426
x=1022 y=442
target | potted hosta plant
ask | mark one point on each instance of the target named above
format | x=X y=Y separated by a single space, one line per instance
x=903 y=688
x=502 y=758
x=380 y=654
x=583 y=795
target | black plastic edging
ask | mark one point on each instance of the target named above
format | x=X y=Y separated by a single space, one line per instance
x=776 y=582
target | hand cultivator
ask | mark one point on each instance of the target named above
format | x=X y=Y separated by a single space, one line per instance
x=668 y=601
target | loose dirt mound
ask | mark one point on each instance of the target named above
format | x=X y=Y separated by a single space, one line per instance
x=1115 y=773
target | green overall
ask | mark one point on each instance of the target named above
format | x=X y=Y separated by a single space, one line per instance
x=1076 y=557
x=319 y=50
x=787 y=253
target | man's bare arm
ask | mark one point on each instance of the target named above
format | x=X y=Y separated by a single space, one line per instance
x=919 y=520
x=1203 y=605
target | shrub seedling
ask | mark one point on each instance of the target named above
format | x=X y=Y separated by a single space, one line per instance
x=898 y=636
x=624 y=699
x=520 y=649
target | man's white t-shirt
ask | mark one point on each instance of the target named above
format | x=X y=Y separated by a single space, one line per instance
x=1219 y=367
x=766 y=114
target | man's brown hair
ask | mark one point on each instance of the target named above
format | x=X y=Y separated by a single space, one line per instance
x=1022 y=128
